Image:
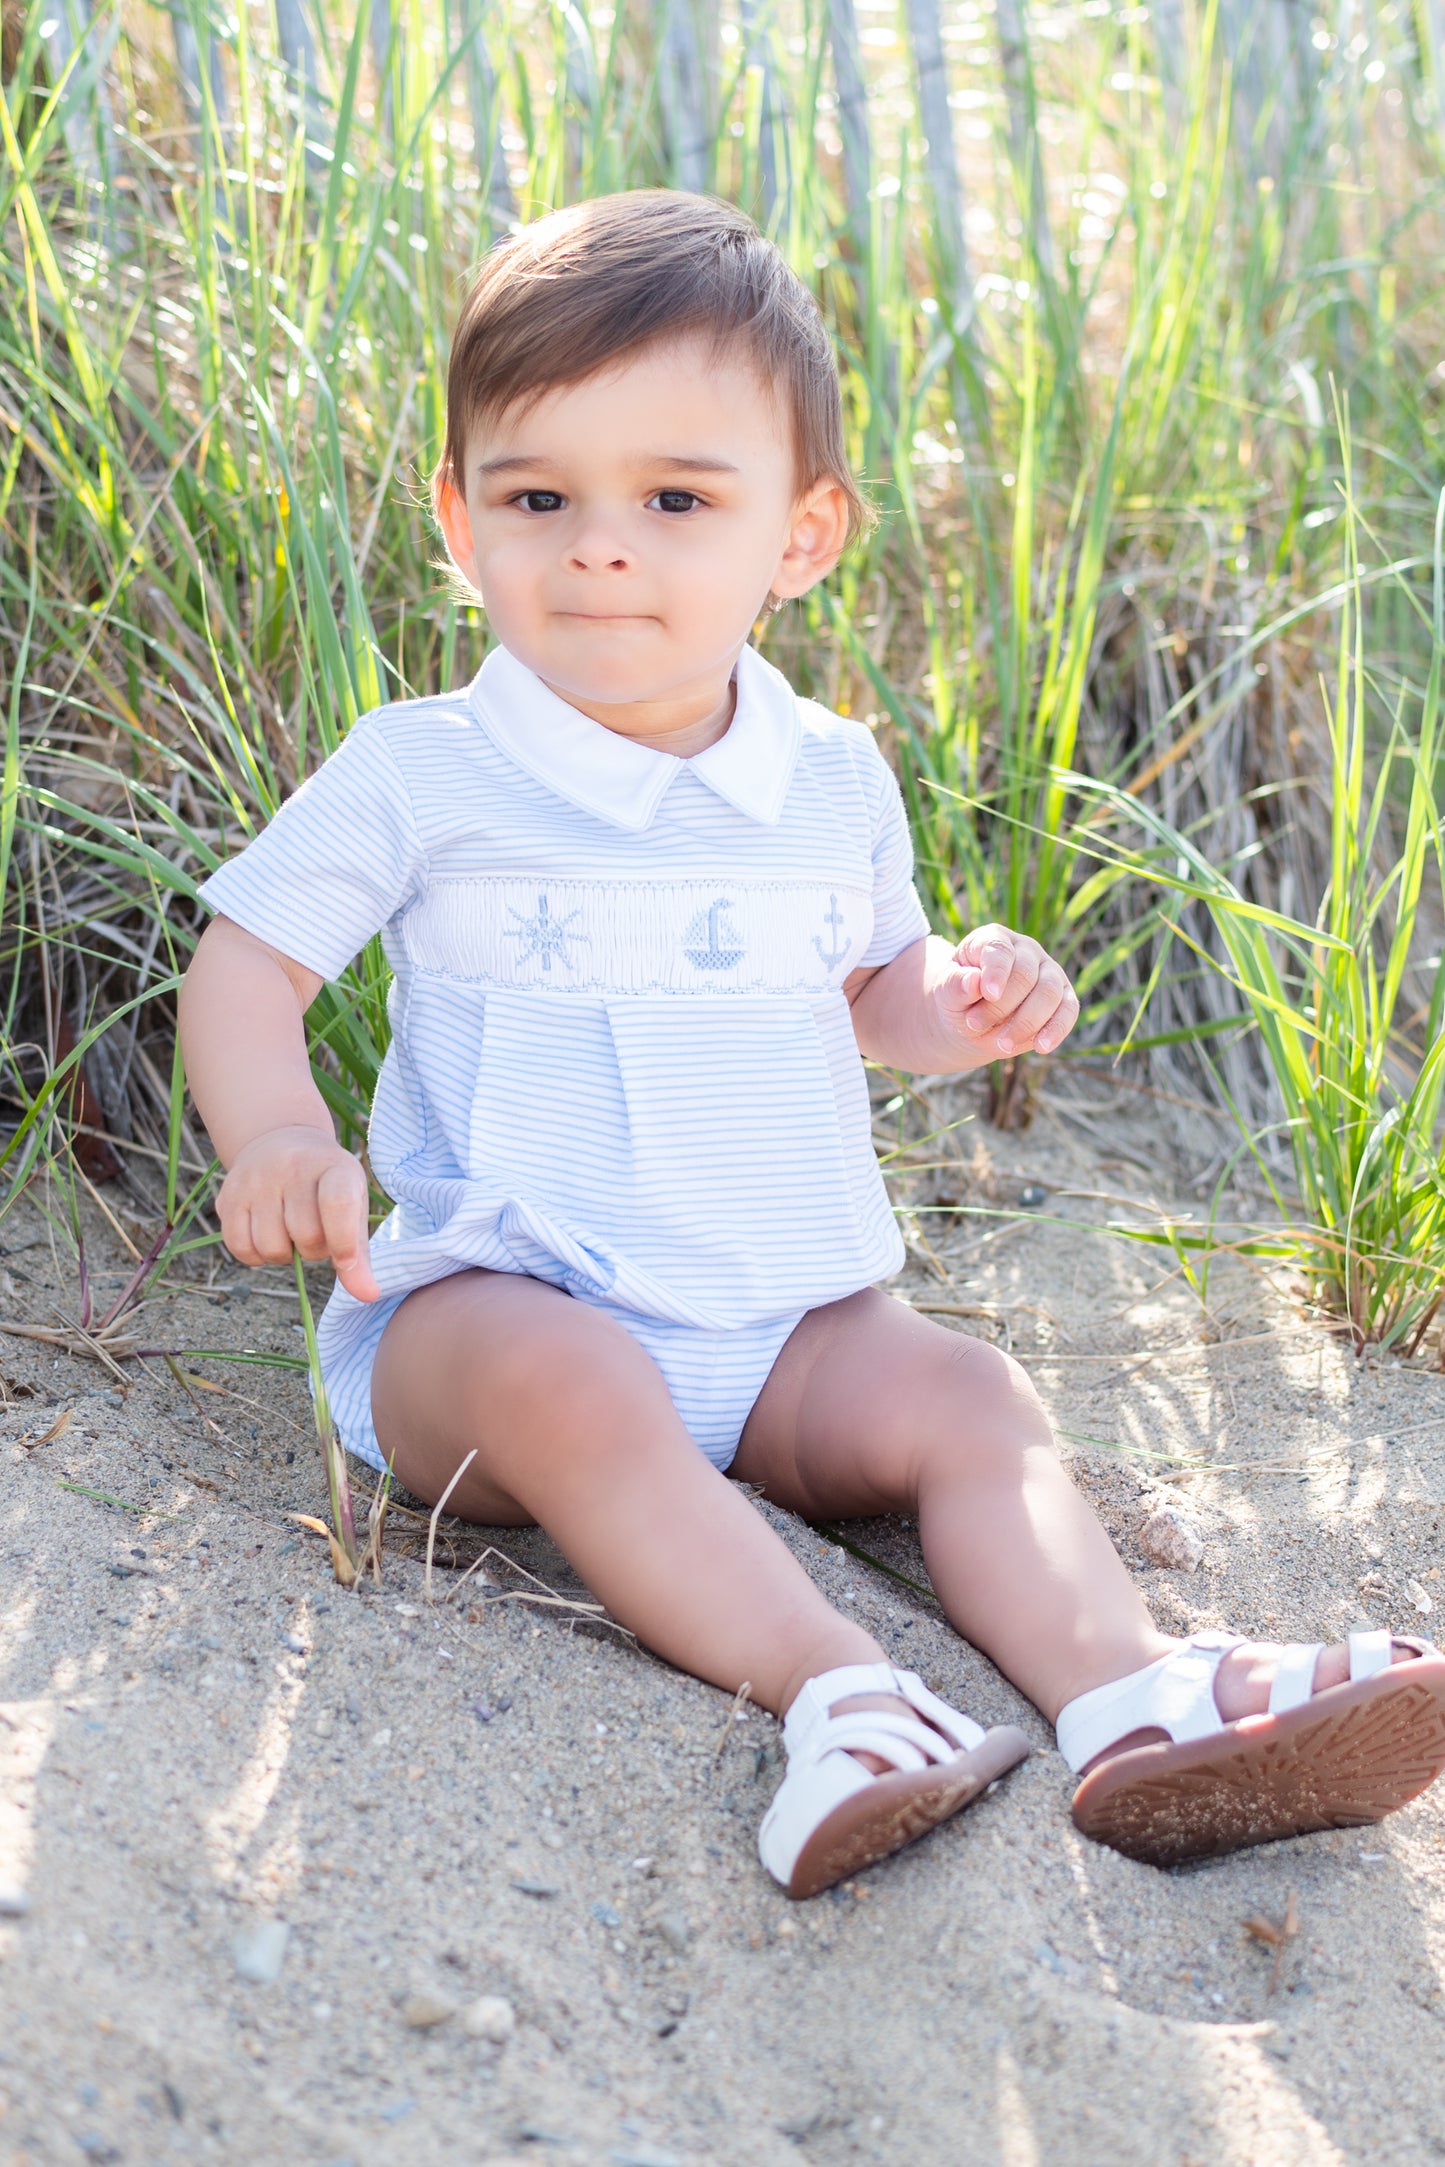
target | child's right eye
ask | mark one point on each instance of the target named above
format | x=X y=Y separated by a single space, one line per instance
x=539 y=500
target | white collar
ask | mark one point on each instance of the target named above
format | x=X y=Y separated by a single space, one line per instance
x=751 y=765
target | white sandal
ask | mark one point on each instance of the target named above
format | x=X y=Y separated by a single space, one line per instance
x=832 y=1816
x=1341 y=1758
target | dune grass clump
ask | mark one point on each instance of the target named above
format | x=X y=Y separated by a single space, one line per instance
x=1347 y=1008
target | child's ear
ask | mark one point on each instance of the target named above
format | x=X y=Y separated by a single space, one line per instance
x=456 y=526
x=816 y=541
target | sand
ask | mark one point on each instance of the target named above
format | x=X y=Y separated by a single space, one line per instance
x=201 y=1734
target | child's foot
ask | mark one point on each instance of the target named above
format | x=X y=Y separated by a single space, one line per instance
x=1224 y=1743
x=874 y=1760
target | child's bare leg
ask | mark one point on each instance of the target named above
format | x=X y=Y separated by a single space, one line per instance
x=872 y=1408
x=573 y=1428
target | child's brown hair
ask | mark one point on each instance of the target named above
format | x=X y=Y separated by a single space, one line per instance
x=590 y=285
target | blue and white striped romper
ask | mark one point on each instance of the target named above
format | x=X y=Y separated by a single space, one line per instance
x=621 y=1058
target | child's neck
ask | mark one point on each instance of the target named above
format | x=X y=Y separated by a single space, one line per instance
x=682 y=727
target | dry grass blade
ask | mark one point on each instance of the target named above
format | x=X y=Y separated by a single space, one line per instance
x=742 y=1696
x=431 y=1533
x=73 y=1341
x=1275 y=1937
x=183 y=1381
x=341 y=1564
x=56 y=1429
x=375 y=1528
x=545 y=1598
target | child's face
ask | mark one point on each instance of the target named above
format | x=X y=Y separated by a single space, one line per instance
x=625 y=532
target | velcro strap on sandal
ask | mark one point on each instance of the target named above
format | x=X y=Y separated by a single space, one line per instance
x=1369 y=1653
x=1294 y=1677
x=961 y=1730
x=898 y=1739
x=811 y=1710
x=817 y=1696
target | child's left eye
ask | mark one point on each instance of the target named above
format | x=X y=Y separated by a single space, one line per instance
x=674 y=500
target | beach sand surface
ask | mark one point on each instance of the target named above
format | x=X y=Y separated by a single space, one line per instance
x=267 y=1845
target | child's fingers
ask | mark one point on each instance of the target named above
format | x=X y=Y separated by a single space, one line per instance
x=270 y=1239
x=993 y=951
x=1043 y=1020
x=1058 y=1026
x=341 y=1200
x=236 y=1233
x=991 y=1013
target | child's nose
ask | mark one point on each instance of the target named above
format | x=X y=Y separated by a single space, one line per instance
x=599 y=544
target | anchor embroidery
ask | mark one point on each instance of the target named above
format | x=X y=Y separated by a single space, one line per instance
x=833 y=917
x=545 y=936
x=712 y=941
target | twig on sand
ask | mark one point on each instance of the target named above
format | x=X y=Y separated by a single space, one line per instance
x=431 y=1533
x=743 y=1694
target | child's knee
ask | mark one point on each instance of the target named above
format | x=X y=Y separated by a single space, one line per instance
x=987 y=1406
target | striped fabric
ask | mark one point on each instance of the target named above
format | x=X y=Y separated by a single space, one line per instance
x=621 y=1059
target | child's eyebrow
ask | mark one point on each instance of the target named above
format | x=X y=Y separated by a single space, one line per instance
x=687 y=463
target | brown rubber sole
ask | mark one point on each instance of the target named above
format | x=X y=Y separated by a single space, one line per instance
x=1344 y=1759
x=896 y=1808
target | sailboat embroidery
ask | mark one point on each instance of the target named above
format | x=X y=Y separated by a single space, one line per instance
x=833 y=955
x=712 y=941
x=545 y=936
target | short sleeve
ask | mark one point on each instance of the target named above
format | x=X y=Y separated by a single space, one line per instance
x=337 y=862
x=899 y=918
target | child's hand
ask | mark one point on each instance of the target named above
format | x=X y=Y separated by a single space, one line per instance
x=295 y=1188
x=1003 y=996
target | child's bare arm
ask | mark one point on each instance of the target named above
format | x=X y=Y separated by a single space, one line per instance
x=939 y=1010
x=289 y=1185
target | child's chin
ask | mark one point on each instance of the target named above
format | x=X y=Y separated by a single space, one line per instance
x=586 y=679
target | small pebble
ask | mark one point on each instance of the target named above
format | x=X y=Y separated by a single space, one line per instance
x=606 y=1915
x=260 y=1951
x=1168 y=1539
x=423 y=2012
x=490 y=2018
x=1034 y=1195
x=294 y=1642
x=526 y=1886
x=675 y=1930
x=14 y=1901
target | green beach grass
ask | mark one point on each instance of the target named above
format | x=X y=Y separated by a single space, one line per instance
x=1150 y=621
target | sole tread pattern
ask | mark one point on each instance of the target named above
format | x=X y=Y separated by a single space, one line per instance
x=1343 y=1760
x=896 y=1809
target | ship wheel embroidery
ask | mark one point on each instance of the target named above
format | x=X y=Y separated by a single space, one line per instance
x=544 y=935
x=833 y=918
x=712 y=941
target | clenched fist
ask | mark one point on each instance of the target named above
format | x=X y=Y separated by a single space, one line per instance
x=1004 y=996
x=295 y=1189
